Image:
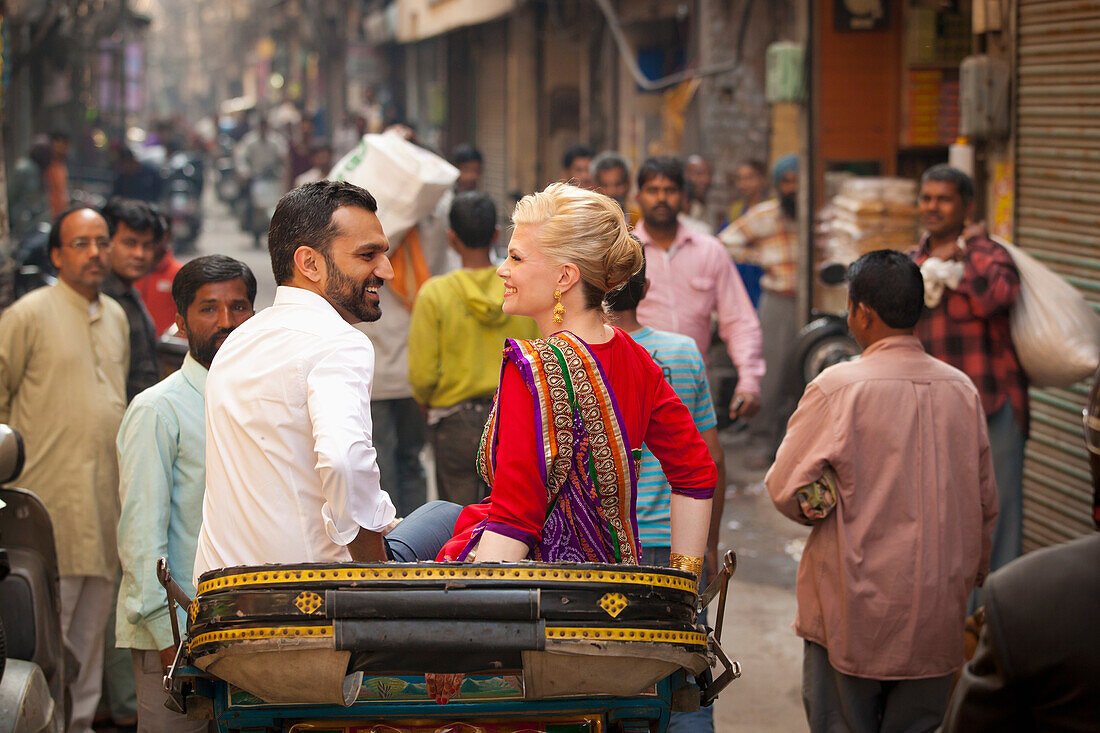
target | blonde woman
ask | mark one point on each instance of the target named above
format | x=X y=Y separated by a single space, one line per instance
x=572 y=410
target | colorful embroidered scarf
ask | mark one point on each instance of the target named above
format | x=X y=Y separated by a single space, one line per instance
x=588 y=468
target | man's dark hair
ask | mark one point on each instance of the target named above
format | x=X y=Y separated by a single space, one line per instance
x=164 y=224
x=630 y=295
x=757 y=165
x=54 y=240
x=574 y=152
x=137 y=215
x=59 y=136
x=890 y=284
x=465 y=153
x=943 y=173
x=474 y=219
x=303 y=218
x=610 y=160
x=667 y=166
x=205 y=270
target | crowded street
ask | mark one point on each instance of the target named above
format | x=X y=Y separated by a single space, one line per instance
x=549 y=366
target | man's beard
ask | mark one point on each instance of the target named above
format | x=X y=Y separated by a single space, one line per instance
x=349 y=295
x=662 y=216
x=789 y=204
x=203 y=351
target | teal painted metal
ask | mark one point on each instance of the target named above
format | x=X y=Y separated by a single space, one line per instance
x=398 y=699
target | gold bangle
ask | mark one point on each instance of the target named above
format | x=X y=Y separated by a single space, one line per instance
x=693 y=565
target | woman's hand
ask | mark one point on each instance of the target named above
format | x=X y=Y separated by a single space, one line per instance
x=442 y=687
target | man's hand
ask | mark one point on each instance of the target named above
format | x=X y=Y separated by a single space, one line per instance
x=167 y=656
x=744 y=404
x=368 y=547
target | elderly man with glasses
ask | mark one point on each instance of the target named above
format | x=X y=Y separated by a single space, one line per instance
x=64 y=357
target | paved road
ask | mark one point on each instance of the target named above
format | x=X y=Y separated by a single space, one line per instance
x=221 y=235
x=761 y=607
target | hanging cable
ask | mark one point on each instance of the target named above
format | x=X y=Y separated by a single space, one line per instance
x=628 y=55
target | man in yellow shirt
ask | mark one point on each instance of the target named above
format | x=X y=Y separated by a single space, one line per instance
x=64 y=357
x=456 y=339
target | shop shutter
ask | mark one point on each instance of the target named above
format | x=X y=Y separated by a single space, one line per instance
x=1058 y=221
x=491 y=113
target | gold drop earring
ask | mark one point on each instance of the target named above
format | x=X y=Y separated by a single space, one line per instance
x=559 y=309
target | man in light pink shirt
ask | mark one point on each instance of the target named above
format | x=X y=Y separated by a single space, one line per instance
x=884 y=577
x=692 y=279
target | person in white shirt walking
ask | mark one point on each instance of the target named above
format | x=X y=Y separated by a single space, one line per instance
x=291 y=472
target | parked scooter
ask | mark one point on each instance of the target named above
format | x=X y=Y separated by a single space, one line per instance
x=32 y=686
x=33 y=268
x=824 y=341
x=184 y=181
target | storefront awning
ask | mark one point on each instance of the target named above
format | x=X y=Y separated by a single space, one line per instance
x=420 y=19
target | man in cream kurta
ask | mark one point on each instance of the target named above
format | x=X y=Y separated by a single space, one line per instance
x=64 y=355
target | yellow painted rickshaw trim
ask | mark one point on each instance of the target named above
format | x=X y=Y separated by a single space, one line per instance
x=268 y=577
x=262 y=632
x=588 y=633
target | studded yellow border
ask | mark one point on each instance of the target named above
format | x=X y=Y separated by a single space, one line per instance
x=555 y=633
x=582 y=633
x=267 y=577
x=262 y=632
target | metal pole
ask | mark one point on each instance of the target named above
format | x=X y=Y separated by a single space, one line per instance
x=7 y=267
x=807 y=168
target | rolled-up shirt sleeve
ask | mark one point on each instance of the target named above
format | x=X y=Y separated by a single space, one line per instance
x=809 y=446
x=338 y=390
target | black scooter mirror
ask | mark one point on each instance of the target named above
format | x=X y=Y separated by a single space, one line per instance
x=833 y=273
x=12 y=454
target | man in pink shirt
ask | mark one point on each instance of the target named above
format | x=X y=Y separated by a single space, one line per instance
x=888 y=458
x=692 y=279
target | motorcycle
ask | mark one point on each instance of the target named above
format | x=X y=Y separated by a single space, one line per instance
x=264 y=193
x=823 y=342
x=31 y=256
x=32 y=656
x=228 y=184
x=183 y=199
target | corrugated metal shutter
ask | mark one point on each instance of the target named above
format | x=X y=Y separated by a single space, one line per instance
x=491 y=62
x=1058 y=221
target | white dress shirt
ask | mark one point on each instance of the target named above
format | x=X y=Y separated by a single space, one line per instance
x=291 y=471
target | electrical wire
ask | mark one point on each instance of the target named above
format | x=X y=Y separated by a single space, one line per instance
x=671 y=80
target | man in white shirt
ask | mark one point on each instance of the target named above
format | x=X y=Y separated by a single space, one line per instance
x=291 y=472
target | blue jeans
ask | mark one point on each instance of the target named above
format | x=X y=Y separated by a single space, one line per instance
x=422 y=534
x=1006 y=442
x=702 y=720
x=399 y=433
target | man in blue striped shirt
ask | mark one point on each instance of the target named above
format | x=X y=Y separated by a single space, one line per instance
x=683 y=366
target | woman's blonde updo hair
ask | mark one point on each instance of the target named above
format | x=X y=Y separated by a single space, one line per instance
x=586 y=229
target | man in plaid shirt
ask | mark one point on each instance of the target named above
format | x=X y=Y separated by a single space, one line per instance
x=970 y=286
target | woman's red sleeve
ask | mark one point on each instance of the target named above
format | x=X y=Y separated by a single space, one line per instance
x=677 y=445
x=519 y=493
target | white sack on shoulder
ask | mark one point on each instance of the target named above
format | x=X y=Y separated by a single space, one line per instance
x=406 y=180
x=1055 y=331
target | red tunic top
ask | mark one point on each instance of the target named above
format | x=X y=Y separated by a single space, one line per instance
x=652 y=414
x=156 y=292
